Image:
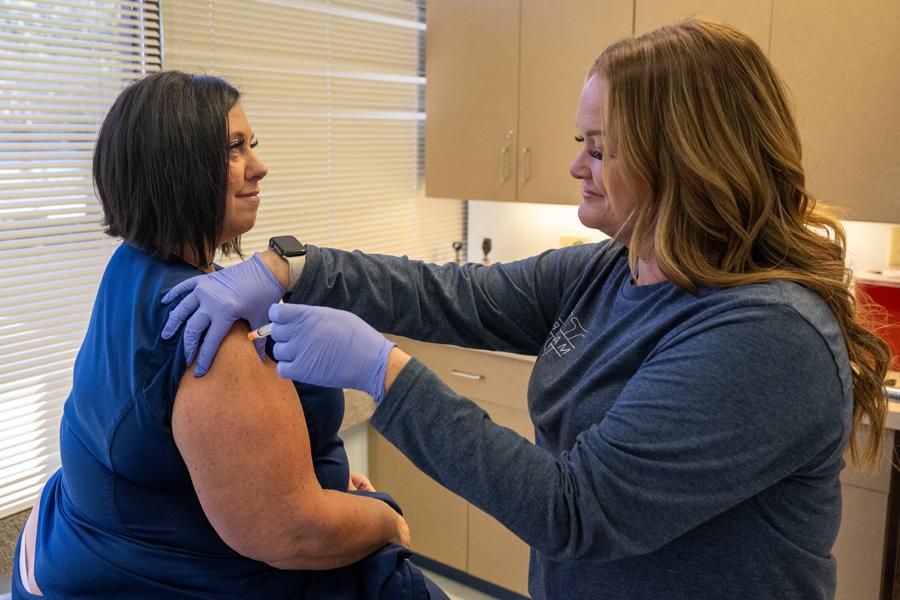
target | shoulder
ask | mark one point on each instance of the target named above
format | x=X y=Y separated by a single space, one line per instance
x=779 y=318
x=236 y=371
x=583 y=264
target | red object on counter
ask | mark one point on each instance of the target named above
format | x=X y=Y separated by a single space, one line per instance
x=885 y=291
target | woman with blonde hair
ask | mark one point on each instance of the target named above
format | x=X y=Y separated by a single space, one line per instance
x=699 y=376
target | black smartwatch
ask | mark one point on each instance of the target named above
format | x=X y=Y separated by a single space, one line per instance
x=290 y=249
x=287 y=246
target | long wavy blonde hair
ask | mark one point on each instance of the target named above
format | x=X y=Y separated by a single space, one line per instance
x=697 y=111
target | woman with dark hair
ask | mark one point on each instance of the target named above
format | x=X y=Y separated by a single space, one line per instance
x=699 y=376
x=173 y=486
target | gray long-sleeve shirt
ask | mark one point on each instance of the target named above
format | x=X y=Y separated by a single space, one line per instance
x=687 y=446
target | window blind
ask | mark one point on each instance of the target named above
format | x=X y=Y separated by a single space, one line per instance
x=61 y=65
x=334 y=92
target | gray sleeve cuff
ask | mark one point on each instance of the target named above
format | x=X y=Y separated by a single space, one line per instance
x=295 y=266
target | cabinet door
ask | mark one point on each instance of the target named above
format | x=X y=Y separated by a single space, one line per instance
x=839 y=60
x=438 y=519
x=860 y=544
x=495 y=554
x=472 y=59
x=558 y=48
x=753 y=17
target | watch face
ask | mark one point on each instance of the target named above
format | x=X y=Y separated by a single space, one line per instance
x=287 y=245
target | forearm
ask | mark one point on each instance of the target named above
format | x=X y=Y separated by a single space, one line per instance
x=455 y=442
x=494 y=308
x=345 y=530
x=278 y=266
x=397 y=359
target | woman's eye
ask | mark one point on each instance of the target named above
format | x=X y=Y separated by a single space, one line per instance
x=593 y=153
x=254 y=143
x=236 y=145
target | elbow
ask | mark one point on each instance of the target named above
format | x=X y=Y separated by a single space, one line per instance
x=579 y=533
x=575 y=547
x=302 y=541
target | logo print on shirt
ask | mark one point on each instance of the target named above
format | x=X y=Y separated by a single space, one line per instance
x=563 y=336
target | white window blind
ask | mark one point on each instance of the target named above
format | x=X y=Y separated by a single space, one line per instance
x=333 y=90
x=61 y=65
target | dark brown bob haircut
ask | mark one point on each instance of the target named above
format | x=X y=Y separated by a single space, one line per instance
x=161 y=165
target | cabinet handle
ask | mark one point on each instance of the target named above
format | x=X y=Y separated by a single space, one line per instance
x=526 y=164
x=464 y=375
x=504 y=164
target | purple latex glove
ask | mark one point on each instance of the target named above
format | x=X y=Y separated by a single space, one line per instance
x=243 y=291
x=329 y=347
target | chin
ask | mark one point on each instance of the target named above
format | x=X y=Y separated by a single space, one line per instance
x=590 y=217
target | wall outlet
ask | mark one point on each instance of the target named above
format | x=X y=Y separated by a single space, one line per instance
x=573 y=240
x=894 y=256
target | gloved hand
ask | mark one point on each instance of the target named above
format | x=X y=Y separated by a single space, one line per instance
x=329 y=347
x=243 y=291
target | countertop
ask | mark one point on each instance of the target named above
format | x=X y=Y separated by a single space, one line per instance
x=893 y=416
x=358 y=407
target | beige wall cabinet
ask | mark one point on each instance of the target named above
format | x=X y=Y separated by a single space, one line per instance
x=443 y=526
x=840 y=61
x=504 y=78
x=753 y=17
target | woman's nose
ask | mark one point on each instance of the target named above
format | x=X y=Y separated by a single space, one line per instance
x=579 y=168
x=257 y=169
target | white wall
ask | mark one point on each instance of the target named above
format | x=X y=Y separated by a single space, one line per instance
x=519 y=230
x=356 y=443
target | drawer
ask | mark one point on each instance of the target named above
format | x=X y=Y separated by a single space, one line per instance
x=496 y=377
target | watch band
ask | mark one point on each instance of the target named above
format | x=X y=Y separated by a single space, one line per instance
x=295 y=268
x=290 y=249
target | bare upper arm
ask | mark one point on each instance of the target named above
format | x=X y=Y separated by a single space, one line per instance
x=242 y=434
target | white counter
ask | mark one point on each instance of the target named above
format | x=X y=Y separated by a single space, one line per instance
x=893 y=416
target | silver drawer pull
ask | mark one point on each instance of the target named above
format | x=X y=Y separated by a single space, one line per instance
x=464 y=375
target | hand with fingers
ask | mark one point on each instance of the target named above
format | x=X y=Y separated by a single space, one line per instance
x=358 y=481
x=216 y=300
x=329 y=347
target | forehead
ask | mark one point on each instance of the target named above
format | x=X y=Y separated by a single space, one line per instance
x=237 y=120
x=592 y=105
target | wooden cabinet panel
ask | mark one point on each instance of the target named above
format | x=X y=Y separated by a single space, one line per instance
x=753 y=17
x=492 y=376
x=558 y=47
x=860 y=544
x=437 y=518
x=472 y=53
x=495 y=554
x=504 y=78
x=839 y=60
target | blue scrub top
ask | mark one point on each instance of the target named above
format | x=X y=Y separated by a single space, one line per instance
x=121 y=517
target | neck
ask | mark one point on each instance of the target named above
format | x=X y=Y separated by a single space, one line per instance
x=190 y=257
x=647 y=271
